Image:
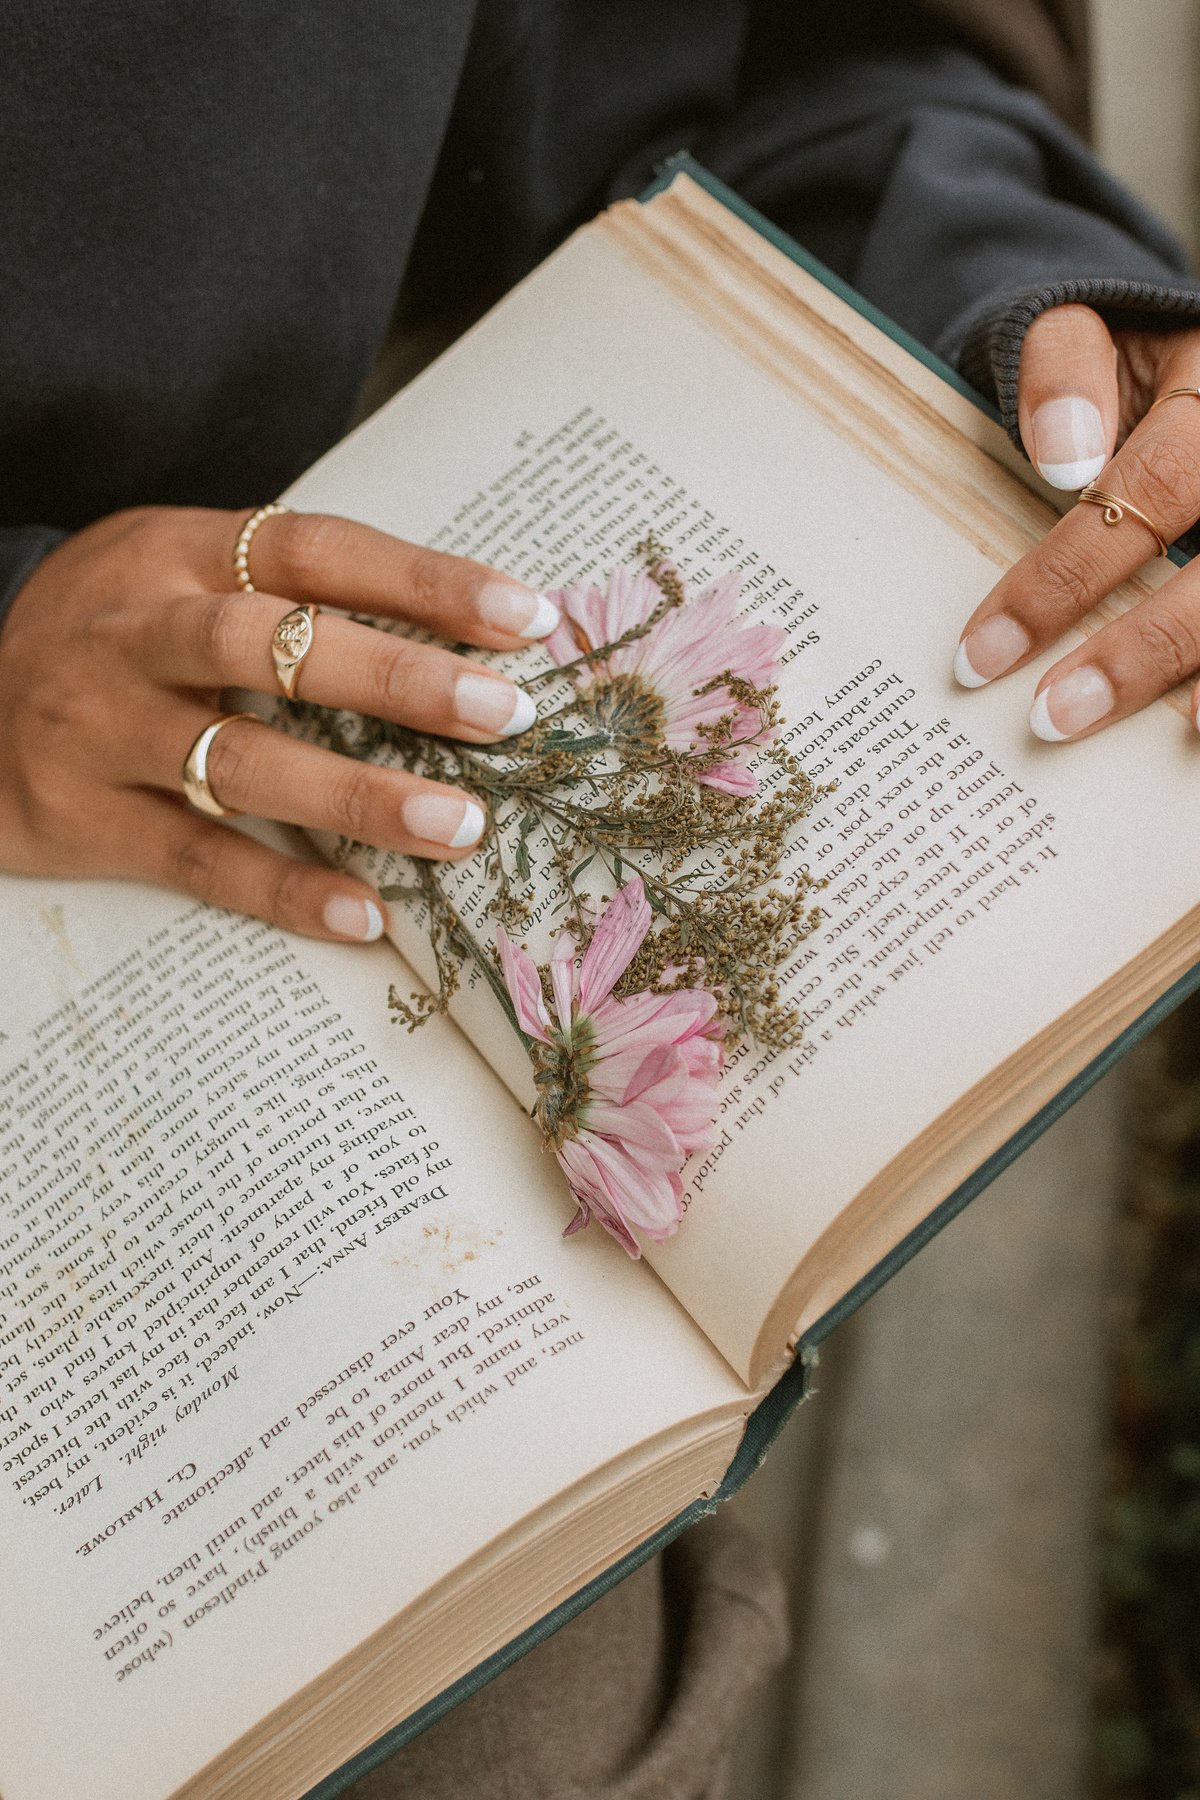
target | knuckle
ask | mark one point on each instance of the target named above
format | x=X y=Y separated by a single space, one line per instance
x=196 y=864
x=51 y=718
x=220 y=630
x=353 y=799
x=425 y=580
x=113 y=628
x=1067 y=580
x=393 y=681
x=232 y=760
x=289 y=890
x=64 y=733
x=1170 y=642
x=1167 y=473
x=312 y=545
x=52 y=805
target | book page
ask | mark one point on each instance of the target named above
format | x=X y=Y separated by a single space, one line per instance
x=287 y=1331
x=979 y=882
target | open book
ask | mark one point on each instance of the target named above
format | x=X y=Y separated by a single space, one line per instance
x=307 y=1412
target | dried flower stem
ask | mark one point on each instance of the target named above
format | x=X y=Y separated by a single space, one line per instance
x=628 y=777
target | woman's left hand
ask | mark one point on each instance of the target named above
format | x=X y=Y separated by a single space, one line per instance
x=1083 y=389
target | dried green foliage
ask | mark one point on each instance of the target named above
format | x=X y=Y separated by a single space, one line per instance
x=593 y=794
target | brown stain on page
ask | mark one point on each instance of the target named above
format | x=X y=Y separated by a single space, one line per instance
x=443 y=1249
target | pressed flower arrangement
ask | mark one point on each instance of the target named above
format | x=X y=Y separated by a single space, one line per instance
x=654 y=801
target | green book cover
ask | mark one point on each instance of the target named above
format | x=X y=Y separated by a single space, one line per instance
x=772 y=1412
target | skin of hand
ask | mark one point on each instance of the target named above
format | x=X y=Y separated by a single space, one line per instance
x=1083 y=390
x=112 y=661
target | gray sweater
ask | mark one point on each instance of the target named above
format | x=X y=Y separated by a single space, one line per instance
x=207 y=210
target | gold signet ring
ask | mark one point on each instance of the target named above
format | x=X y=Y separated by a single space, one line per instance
x=291 y=641
x=195 y=769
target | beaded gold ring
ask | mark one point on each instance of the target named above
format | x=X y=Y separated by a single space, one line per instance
x=241 y=550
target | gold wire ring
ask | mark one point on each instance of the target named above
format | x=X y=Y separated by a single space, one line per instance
x=241 y=550
x=1115 y=510
x=291 y=641
x=195 y=769
x=1176 y=394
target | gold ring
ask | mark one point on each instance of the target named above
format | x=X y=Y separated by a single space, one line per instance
x=195 y=769
x=241 y=550
x=291 y=641
x=1176 y=394
x=1115 y=510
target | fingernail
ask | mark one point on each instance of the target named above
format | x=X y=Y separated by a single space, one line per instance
x=506 y=607
x=449 y=819
x=348 y=917
x=1069 y=446
x=989 y=650
x=489 y=703
x=1072 y=703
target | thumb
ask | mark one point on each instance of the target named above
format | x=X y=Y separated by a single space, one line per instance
x=1067 y=399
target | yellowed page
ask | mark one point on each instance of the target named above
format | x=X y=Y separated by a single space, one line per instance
x=980 y=883
x=287 y=1330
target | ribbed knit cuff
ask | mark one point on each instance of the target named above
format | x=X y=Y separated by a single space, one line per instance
x=22 y=548
x=988 y=352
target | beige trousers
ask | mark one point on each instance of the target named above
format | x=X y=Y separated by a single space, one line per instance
x=639 y=1698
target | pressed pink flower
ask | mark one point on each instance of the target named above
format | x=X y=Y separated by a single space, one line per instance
x=626 y=1087
x=655 y=683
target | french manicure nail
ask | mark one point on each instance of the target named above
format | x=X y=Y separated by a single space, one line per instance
x=989 y=650
x=1072 y=703
x=506 y=607
x=348 y=917
x=1069 y=445
x=489 y=703
x=449 y=819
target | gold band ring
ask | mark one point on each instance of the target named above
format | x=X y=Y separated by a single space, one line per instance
x=291 y=641
x=195 y=769
x=241 y=550
x=1115 y=510
x=1176 y=394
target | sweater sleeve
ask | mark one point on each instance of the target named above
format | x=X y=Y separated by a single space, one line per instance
x=21 y=550
x=955 y=201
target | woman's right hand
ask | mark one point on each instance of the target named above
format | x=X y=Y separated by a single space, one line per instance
x=112 y=661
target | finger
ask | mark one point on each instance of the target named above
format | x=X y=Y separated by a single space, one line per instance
x=252 y=768
x=1138 y=658
x=330 y=561
x=1068 y=402
x=224 y=640
x=1083 y=558
x=224 y=868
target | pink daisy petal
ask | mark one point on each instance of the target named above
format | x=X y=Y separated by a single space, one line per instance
x=729 y=778
x=649 y=1200
x=664 y=1060
x=524 y=987
x=690 y=647
x=591 y=1188
x=615 y=942
x=562 y=977
x=684 y=1105
x=560 y=645
x=643 y=1073
x=640 y=1020
x=635 y=1128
